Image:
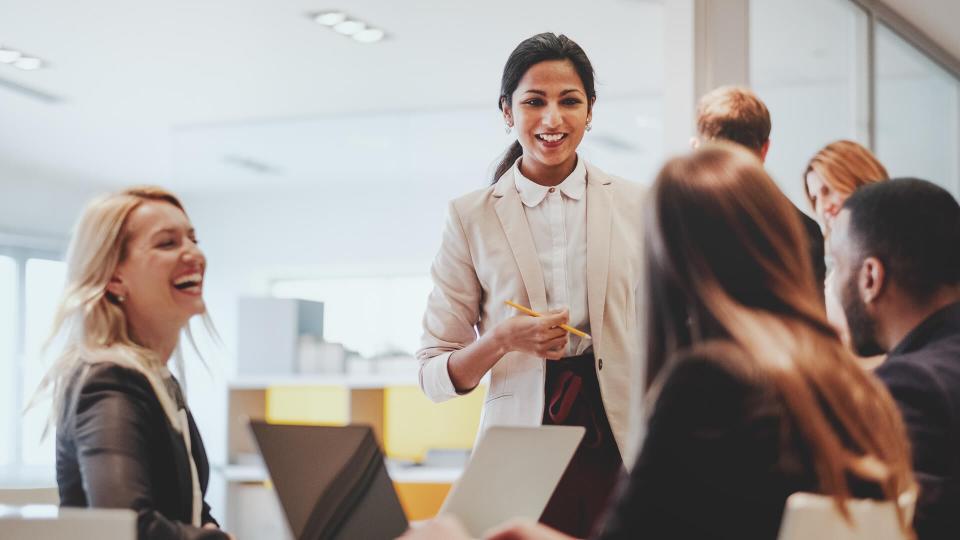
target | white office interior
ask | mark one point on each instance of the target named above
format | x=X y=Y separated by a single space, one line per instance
x=318 y=166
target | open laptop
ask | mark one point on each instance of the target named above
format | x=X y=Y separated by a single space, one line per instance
x=512 y=473
x=332 y=482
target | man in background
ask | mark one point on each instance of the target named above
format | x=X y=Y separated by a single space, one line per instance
x=896 y=246
x=737 y=115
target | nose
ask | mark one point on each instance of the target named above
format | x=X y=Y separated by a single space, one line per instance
x=552 y=116
x=194 y=255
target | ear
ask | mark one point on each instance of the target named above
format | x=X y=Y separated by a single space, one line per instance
x=590 y=105
x=507 y=112
x=871 y=280
x=116 y=286
x=764 y=149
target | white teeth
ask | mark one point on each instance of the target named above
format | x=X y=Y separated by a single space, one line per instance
x=551 y=137
x=189 y=278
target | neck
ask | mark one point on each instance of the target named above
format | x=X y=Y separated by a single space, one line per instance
x=912 y=314
x=547 y=175
x=162 y=342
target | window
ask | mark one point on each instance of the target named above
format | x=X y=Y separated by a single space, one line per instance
x=8 y=356
x=918 y=113
x=30 y=285
x=371 y=315
x=44 y=284
x=808 y=64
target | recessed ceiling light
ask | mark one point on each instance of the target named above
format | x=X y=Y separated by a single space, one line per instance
x=9 y=56
x=28 y=63
x=349 y=27
x=330 y=18
x=369 y=35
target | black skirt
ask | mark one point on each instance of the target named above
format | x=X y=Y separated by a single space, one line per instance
x=573 y=399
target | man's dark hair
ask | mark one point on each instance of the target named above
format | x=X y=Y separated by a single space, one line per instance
x=913 y=227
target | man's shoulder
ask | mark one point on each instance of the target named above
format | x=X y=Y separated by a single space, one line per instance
x=935 y=368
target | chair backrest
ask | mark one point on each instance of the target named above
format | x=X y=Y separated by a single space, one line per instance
x=808 y=515
x=33 y=522
x=21 y=496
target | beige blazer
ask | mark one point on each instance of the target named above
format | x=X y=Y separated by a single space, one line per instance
x=487 y=255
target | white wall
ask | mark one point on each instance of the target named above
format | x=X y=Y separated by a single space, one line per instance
x=35 y=204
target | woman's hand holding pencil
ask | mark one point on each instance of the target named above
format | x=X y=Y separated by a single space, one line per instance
x=537 y=336
x=533 y=313
x=543 y=335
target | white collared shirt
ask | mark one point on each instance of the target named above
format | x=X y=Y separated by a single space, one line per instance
x=557 y=217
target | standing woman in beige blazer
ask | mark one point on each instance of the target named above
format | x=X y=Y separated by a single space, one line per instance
x=557 y=234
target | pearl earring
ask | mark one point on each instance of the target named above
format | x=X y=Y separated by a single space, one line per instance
x=121 y=298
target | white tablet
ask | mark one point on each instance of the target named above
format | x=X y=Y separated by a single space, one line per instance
x=512 y=473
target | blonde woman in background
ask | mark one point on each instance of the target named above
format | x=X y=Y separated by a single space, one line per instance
x=125 y=437
x=832 y=175
x=835 y=172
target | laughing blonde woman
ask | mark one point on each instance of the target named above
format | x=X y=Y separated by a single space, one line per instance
x=125 y=437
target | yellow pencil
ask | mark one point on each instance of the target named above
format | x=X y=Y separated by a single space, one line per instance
x=533 y=313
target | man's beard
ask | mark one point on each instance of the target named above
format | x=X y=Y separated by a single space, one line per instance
x=863 y=329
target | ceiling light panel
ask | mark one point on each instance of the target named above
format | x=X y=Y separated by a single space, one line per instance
x=346 y=25
x=9 y=56
x=16 y=58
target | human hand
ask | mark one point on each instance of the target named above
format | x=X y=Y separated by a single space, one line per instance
x=214 y=527
x=441 y=528
x=524 y=529
x=539 y=336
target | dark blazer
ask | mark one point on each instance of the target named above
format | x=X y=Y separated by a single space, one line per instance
x=119 y=450
x=720 y=457
x=816 y=249
x=923 y=374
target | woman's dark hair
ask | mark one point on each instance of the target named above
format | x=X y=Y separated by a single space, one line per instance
x=726 y=262
x=531 y=51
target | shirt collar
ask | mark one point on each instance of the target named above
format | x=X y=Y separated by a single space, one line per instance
x=944 y=322
x=532 y=193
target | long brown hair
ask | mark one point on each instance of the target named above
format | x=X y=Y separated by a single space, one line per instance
x=844 y=166
x=726 y=261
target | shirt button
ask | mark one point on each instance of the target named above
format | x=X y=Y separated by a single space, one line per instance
x=551 y=190
x=600 y=363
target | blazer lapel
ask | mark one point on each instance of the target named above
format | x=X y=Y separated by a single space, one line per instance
x=598 y=248
x=509 y=210
x=182 y=464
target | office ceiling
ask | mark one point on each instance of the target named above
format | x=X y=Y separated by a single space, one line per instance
x=936 y=18
x=217 y=93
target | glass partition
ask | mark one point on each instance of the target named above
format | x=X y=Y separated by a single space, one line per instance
x=918 y=113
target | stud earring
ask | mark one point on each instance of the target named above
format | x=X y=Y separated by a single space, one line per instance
x=508 y=128
x=589 y=126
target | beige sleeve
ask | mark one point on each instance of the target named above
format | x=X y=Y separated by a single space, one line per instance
x=453 y=309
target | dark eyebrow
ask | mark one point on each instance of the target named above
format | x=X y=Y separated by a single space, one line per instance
x=542 y=93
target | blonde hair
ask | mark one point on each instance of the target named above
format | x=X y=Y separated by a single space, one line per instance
x=844 y=166
x=735 y=114
x=89 y=318
x=739 y=273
